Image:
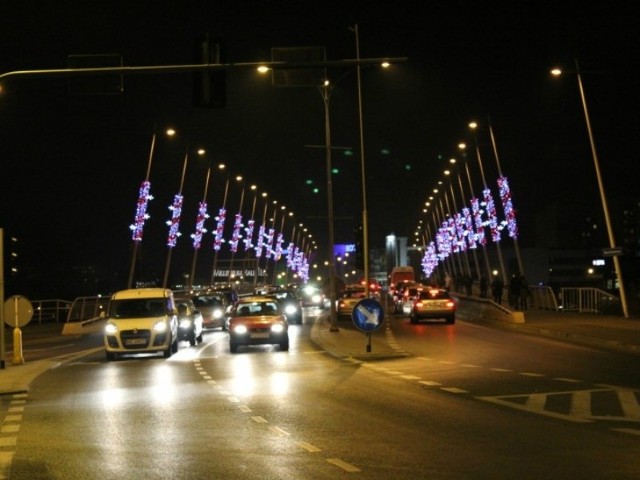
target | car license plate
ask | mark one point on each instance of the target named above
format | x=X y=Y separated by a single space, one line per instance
x=135 y=341
x=260 y=335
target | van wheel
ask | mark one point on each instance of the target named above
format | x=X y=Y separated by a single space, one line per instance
x=168 y=351
x=174 y=346
x=193 y=340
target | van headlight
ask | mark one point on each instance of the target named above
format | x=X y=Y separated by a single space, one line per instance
x=277 y=328
x=240 y=329
x=110 y=328
x=160 y=327
x=290 y=309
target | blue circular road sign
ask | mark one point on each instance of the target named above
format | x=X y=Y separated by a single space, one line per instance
x=368 y=315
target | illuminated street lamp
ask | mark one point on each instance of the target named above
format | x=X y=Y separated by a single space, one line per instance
x=174 y=222
x=141 y=211
x=603 y=198
x=200 y=219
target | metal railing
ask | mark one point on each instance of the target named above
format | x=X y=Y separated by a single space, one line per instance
x=87 y=308
x=51 y=310
x=542 y=297
x=589 y=300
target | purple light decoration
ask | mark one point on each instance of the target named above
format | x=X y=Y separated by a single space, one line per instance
x=200 y=230
x=468 y=227
x=174 y=222
x=235 y=236
x=460 y=232
x=268 y=244
x=217 y=242
x=260 y=241
x=277 y=253
x=491 y=215
x=141 y=211
x=509 y=212
x=429 y=259
x=477 y=218
x=291 y=256
x=248 y=235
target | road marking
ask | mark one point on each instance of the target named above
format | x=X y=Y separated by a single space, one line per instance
x=279 y=432
x=429 y=383
x=454 y=390
x=259 y=419
x=308 y=447
x=244 y=408
x=347 y=467
x=531 y=374
x=233 y=399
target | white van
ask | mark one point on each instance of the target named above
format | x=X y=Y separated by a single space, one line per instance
x=141 y=320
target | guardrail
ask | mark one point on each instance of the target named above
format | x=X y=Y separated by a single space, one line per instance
x=542 y=298
x=589 y=300
x=51 y=310
x=86 y=308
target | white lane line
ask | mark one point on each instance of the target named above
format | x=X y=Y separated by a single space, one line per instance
x=13 y=418
x=259 y=419
x=454 y=390
x=469 y=365
x=631 y=431
x=568 y=380
x=500 y=369
x=244 y=408
x=233 y=399
x=8 y=441
x=10 y=428
x=347 y=467
x=279 y=432
x=429 y=383
x=308 y=447
x=531 y=374
x=409 y=377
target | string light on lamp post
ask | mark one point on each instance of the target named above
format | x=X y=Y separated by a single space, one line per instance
x=144 y=196
x=603 y=197
x=200 y=229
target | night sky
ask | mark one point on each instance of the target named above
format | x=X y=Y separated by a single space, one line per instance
x=72 y=164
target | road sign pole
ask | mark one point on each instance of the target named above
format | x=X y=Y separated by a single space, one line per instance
x=18 y=359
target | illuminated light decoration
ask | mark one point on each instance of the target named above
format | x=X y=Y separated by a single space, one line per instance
x=460 y=232
x=268 y=244
x=291 y=257
x=468 y=227
x=303 y=271
x=507 y=205
x=144 y=196
x=248 y=235
x=260 y=241
x=429 y=259
x=477 y=220
x=235 y=235
x=277 y=252
x=217 y=241
x=453 y=235
x=443 y=240
x=492 y=218
x=174 y=222
x=200 y=230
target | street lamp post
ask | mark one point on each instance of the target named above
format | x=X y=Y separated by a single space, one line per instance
x=202 y=216
x=603 y=197
x=141 y=214
x=174 y=223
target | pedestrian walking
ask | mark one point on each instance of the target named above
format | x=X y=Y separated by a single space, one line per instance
x=497 y=286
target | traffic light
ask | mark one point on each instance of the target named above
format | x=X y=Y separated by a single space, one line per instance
x=209 y=87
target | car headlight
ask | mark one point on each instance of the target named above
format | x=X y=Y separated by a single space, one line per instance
x=316 y=298
x=290 y=309
x=218 y=313
x=240 y=329
x=277 y=328
x=185 y=323
x=110 y=328
x=160 y=327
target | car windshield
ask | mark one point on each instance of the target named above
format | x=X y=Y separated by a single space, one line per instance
x=354 y=294
x=138 y=308
x=257 y=308
x=209 y=301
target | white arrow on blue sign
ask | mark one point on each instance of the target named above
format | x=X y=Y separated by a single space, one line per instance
x=368 y=315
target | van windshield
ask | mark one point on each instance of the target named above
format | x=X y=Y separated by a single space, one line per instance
x=138 y=308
